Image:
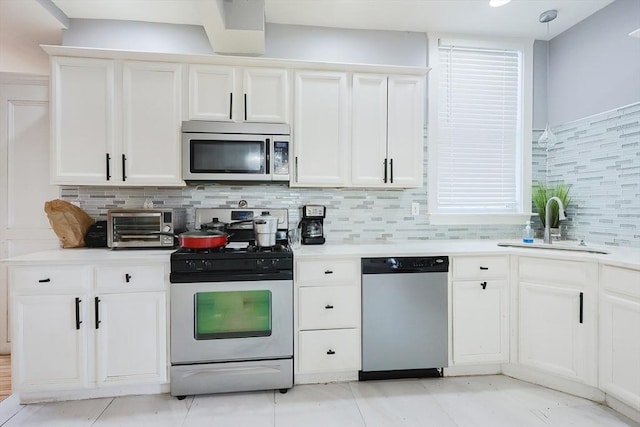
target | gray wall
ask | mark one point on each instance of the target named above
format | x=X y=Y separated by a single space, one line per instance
x=137 y=36
x=595 y=65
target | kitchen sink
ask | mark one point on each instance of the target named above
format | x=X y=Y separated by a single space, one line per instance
x=557 y=246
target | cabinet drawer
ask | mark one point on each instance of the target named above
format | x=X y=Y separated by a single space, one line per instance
x=328 y=271
x=327 y=351
x=49 y=279
x=327 y=307
x=130 y=277
x=480 y=267
x=545 y=270
x=623 y=280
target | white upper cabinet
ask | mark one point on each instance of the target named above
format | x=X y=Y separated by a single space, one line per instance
x=82 y=119
x=116 y=123
x=152 y=99
x=387 y=131
x=320 y=129
x=221 y=93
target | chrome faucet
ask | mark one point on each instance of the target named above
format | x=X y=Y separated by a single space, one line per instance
x=547 y=222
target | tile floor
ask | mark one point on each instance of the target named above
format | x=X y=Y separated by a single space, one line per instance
x=481 y=401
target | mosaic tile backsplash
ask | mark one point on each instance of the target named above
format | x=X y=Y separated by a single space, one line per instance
x=598 y=156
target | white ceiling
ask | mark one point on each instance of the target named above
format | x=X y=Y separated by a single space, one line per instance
x=25 y=24
x=516 y=19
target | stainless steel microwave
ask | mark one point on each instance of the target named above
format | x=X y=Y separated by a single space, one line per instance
x=219 y=151
x=144 y=228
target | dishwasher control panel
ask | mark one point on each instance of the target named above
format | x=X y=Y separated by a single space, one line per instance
x=385 y=265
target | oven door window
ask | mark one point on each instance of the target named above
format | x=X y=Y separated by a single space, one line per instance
x=219 y=156
x=233 y=314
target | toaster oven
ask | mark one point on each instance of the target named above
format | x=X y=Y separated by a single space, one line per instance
x=144 y=228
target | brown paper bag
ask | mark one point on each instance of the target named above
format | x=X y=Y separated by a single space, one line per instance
x=69 y=222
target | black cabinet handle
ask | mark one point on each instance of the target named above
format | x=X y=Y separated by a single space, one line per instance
x=245 y=106
x=331 y=352
x=391 y=167
x=108 y=167
x=296 y=168
x=385 y=170
x=78 y=321
x=230 y=106
x=124 y=167
x=97 y=308
x=484 y=285
x=328 y=272
x=328 y=306
x=484 y=268
x=127 y=277
x=581 y=306
x=47 y=280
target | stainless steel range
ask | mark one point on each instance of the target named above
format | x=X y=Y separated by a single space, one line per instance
x=232 y=311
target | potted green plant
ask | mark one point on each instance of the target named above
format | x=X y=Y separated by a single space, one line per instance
x=542 y=193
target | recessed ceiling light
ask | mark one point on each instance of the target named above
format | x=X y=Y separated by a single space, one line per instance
x=635 y=33
x=498 y=3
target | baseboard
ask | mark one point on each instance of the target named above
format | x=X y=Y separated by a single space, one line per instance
x=623 y=408
x=464 y=370
x=554 y=382
x=114 y=391
x=325 y=377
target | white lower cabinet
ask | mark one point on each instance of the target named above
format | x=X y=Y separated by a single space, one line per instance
x=619 y=327
x=480 y=309
x=328 y=319
x=70 y=334
x=557 y=317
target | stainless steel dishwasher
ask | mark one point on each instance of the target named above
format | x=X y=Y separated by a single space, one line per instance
x=404 y=317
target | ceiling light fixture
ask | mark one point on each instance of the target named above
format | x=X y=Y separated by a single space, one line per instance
x=548 y=139
x=498 y=3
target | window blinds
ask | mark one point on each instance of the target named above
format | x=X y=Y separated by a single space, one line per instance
x=478 y=122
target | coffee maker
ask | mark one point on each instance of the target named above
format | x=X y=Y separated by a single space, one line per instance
x=311 y=232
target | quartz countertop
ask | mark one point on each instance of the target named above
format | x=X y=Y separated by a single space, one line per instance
x=623 y=257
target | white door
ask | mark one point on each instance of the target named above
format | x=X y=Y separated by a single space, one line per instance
x=51 y=345
x=406 y=130
x=320 y=129
x=620 y=348
x=369 y=160
x=24 y=164
x=550 y=333
x=266 y=95
x=152 y=100
x=131 y=338
x=480 y=321
x=211 y=93
x=83 y=120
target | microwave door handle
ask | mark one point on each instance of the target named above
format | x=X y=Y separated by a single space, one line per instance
x=268 y=156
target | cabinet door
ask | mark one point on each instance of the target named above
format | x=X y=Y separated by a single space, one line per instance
x=320 y=129
x=49 y=347
x=480 y=322
x=266 y=95
x=211 y=92
x=620 y=348
x=152 y=113
x=131 y=338
x=369 y=131
x=406 y=130
x=551 y=335
x=82 y=112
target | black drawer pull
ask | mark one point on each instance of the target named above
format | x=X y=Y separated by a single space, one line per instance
x=484 y=285
x=484 y=268
x=331 y=352
x=47 y=280
x=328 y=307
x=127 y=277
x=328 y=272
x=581 y=307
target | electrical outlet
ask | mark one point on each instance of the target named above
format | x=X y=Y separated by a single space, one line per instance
x=415 y=209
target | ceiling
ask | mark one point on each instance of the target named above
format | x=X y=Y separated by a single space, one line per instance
x=24 y=22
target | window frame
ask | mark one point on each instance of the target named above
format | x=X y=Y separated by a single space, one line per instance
x=523 y=149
